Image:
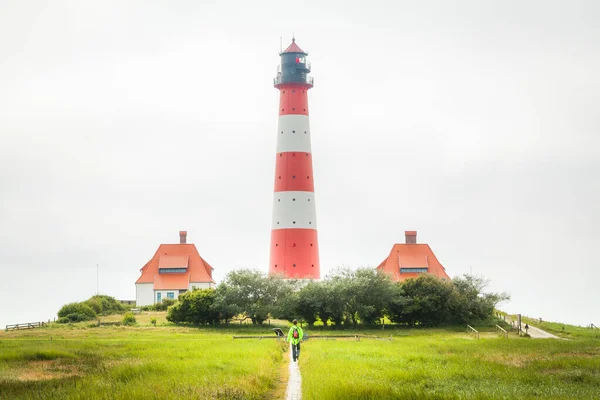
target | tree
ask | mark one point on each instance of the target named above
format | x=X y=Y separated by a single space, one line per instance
x=470 y=303
x=310 y=302
x=430 y=300
x=397 y=305
x=335 y=301
x=365 y=293
x=195 y=307
x=253 y=293
x=222 y=304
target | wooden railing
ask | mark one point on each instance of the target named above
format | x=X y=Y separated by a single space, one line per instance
x=472 y=330
x=502 y=331
x=27 y=325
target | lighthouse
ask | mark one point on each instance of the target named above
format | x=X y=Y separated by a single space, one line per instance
x=294 y=244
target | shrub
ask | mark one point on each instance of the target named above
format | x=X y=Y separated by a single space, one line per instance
x=164 y=304
x=194 y=307
x=153 y=321
x=77 y=312
x=129 y=319
x=63 y=320
x=105 y=305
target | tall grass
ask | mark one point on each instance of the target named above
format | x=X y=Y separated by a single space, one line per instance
x=446 y=366
x=137 y=363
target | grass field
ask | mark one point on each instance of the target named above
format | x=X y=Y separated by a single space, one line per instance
x=169 y=362
x=137 y=363
x=436 y=364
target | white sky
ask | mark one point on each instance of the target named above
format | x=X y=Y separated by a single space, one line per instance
x=475 y=123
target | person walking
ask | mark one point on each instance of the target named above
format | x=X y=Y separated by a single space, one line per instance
x=295 y=337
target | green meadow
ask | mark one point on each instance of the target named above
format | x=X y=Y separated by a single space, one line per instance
x=137 y=363
x=79 y=361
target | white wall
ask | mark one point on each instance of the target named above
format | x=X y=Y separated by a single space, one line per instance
x=144 y=294
x=163 y=294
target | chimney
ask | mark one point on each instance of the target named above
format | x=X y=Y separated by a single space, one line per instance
x=411 y=237
x=182 y=237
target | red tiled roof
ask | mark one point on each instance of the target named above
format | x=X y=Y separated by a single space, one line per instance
x=411 y=256
x=198 y=269
x=173 y=262
x=171 y=281
x=294 y=48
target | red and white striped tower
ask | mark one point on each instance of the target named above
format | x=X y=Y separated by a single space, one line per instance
x=294 y=245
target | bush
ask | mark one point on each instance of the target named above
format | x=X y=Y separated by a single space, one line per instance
x=153 y=321
x=162 y=306
x=63 y=320
x=129 y=319
x=194 y=307
x=77 y=312
x=105 y=305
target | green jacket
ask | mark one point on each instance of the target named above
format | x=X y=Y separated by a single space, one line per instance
x=290 y=337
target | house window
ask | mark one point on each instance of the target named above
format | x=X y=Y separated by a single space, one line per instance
x=413 y=270
x=170 y=295
x=158 y=297
x=171 y=270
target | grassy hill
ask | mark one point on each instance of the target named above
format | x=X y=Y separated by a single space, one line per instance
x=80 y=361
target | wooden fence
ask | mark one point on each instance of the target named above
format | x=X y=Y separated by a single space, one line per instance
x=472 y=330
x=502 y=331
x=27 y=325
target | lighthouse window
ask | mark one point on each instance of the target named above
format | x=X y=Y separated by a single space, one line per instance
x=313 y=265
x=293 y=177
x=293 y=199
x=311 y=245
x=305 y=131
x=294 y=265
x=293 y=131
x=279 y=177
x=282 y=132
x=282 y=109
x=275 y=265
x=278 y=199
x=308 y=177
x=278 y=244
x=293 y=222
x=293 y=91
x=293 y=108
x=305 y=109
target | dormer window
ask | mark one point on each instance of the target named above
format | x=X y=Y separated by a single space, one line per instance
x=172 y=270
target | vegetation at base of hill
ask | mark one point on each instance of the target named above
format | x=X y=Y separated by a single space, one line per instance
x=563 y=330
x=345 y=298
x=174 y=362
x=162 y=306
x=129 y=319
x=436 y=364
x=136 y=363
x=90 y=309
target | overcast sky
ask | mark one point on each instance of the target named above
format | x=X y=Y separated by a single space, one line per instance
x=475 y=123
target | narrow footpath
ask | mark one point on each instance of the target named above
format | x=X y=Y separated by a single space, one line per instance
x=294 y=386
x=535 y=333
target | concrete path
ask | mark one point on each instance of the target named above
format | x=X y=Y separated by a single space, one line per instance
x=294 y=387
x=537 y=333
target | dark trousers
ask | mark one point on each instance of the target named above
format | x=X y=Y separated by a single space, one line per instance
x=295 y=351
